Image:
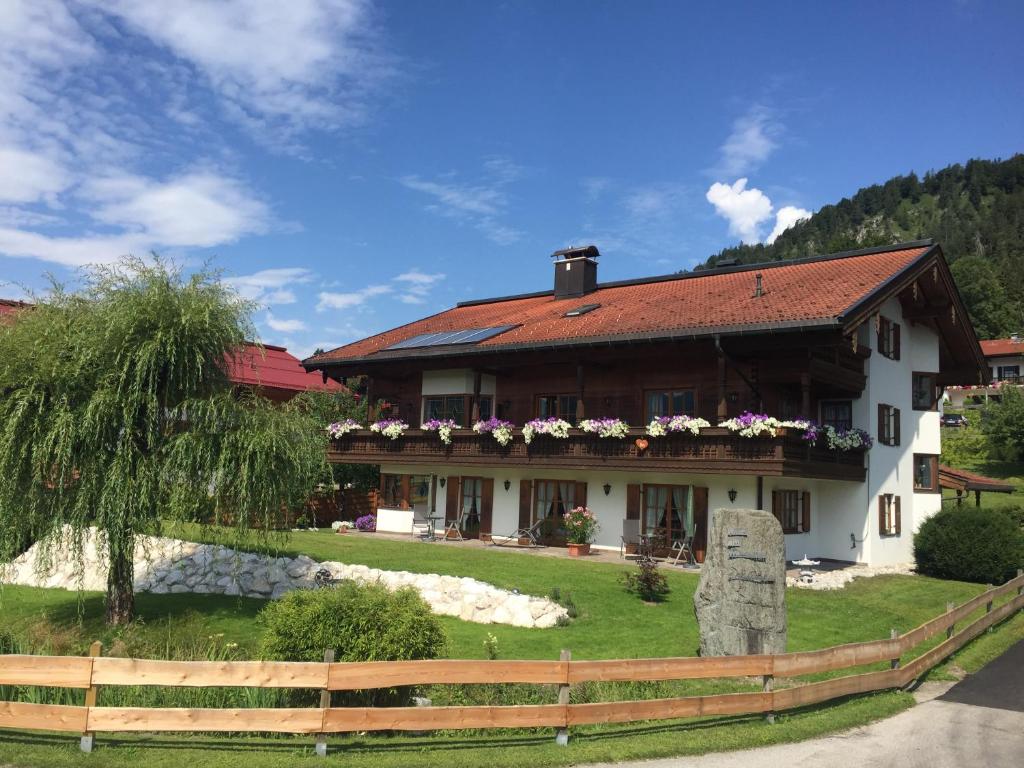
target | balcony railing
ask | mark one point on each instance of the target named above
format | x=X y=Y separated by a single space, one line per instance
x=716 y=450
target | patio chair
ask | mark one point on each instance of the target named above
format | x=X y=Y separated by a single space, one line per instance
x=532 y=533
x=683 y=548
x=630 y=537
x=420 y=526
x=454 y=528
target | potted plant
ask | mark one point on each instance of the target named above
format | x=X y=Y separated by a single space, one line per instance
x=342 y=526
x=580 y=526
x=366 y=523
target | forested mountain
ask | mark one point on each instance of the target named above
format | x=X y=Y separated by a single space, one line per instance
x=976 y=212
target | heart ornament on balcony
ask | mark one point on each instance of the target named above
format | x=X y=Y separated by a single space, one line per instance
x=641 y=444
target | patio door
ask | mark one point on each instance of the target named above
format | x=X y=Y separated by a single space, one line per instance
x=470 y=499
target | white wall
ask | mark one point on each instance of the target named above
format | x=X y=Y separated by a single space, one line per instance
x=891 y=468
x=830 y=501
x=457 y=381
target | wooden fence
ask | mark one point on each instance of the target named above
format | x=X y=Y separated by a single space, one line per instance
x=91 y=672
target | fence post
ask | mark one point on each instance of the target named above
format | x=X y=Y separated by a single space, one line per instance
x=894 y=663
x=96 y=649
x=325 y=703
x=1020 y=588
x=562 y=734
x=768 y=683
x=951 y=627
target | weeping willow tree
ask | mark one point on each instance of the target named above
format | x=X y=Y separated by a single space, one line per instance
x=116 y=413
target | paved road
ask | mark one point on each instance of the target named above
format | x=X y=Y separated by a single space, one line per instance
x=977 y=722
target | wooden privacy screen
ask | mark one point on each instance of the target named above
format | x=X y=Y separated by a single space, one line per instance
x=88 y=672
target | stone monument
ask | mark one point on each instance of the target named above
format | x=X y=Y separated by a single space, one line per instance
x=741 y=597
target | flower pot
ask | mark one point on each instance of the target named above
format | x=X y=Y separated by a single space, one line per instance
x=579 y=550
x=631 y=549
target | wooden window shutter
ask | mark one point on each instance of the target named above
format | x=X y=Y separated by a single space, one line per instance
x=805 y=512
x=451 y=507
x=896 y=514
x=633 y=493
x=486 y=505
x=895 y=341
x=525 y=502
x=881 y=515
x=777 y=506
x=895 y=426
x=579 y=496
x=882 y=436
x=881 y=335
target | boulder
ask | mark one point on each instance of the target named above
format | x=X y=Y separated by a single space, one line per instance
x=740 y=600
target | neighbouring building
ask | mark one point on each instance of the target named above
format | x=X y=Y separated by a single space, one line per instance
x=275 y=374
x=1005 y=358
x=865 y=339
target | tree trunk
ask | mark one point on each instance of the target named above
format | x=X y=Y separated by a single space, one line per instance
x=121 y=581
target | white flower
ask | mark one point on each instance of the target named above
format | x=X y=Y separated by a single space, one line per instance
x=605 y=427
x=557 y=428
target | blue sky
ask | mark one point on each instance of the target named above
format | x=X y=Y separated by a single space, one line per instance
x=353 y=165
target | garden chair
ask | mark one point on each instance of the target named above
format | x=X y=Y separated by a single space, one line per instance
x=630 y=537
x=453 y=531
x=684 y=548
x=421 y=527
x=532 y=533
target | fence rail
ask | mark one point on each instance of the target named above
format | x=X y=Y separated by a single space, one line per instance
x=89 y=672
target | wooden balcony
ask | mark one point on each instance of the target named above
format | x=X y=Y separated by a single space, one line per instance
x=715 y=450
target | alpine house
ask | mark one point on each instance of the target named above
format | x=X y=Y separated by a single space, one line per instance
x=806 y=387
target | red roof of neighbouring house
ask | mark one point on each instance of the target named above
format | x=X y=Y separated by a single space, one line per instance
x=960 y=479
x=1002 y=347
x=801 y=293
x=274 y=368
x=11 y=306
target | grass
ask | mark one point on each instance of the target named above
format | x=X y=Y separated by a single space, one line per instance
x=611 y=623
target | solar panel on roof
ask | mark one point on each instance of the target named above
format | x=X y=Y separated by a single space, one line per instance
x=443 y=338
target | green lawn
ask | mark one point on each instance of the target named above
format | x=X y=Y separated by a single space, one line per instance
x=612 y=623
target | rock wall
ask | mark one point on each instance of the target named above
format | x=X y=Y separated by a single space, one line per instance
x=741 y=597
x=173 y=566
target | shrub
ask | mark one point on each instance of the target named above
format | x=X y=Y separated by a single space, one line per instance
x=647 y=581
x=970 y=544
x=361 y=623
x=366 y=523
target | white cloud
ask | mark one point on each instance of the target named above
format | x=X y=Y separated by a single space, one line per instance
x=747 y=209
x=653 y=201
x=197 y=209
x=416 y=285
x=481 y=204
x=279 y=67
x=329 y=300
x=284 y=326
x=752 y=140
x=270 y=286
x=69 y=251
x=28 y=176
x=744 y=209
x=787 y=216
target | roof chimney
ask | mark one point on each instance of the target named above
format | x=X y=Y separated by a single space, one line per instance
x=575 y=271
x=758 y=287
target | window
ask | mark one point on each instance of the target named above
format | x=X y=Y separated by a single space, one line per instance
x=926 y=472
x=1011 y=372
x=888 y=424
x=924 y=392
x=888 y=338
x=472 y=491
x=837 y=414
x=562 y=406
x=670 y=402
x=668 y=511
x=392 y=490
x=552 y=499
x=888 y=515
x=419 y=493
x=793 y=510
x=458 y=408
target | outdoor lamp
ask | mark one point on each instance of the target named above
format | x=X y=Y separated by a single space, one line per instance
x=732 y=494
x=607 y=488
x=441 y=481
x=508 y=484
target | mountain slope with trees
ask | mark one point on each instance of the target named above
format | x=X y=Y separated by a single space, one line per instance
x=975 y=211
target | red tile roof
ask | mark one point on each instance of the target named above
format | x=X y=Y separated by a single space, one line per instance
x=11 y=306
x=1002 y=347
x=811 y=292
x=969 y=481
x=275 y=368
